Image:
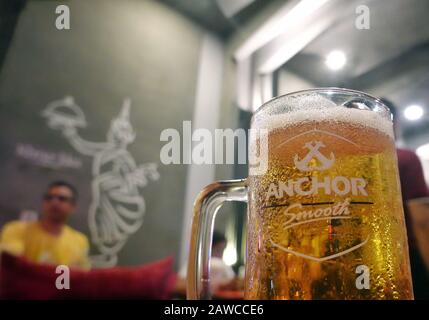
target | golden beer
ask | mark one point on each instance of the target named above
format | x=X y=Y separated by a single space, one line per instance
x=320 y=224
x=325 y=216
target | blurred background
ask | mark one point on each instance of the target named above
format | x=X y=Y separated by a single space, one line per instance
x=212 y=62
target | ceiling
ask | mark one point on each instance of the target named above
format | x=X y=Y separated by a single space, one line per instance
x=390 y=59
x=219 y=16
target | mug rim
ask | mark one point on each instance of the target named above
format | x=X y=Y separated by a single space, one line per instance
x=323 y=89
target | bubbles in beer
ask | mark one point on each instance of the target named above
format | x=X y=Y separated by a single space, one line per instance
x=310 y=228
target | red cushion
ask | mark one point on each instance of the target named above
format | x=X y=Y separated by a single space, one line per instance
x=20 y=279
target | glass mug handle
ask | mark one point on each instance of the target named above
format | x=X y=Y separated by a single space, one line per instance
x=206 y=206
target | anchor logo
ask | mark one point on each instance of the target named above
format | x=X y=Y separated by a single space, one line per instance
x=313 y=148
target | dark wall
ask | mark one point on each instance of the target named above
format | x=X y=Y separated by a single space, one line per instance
x=135 y=49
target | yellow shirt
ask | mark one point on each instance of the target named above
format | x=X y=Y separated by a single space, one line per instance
x=30 y=240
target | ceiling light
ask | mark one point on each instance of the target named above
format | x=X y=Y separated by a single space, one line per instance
x=423 y=151
x=336 y=60
x=413 y=112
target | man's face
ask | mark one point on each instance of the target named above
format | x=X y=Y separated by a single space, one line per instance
x=58 y=204
x=218 y=249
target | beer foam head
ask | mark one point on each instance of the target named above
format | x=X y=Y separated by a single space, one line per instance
x=294 y=110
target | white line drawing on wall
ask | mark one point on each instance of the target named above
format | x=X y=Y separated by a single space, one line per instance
x=117 y=207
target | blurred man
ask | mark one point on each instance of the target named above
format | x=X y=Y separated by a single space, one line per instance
x=49 y=240
x=221 y=275
x=413 y=186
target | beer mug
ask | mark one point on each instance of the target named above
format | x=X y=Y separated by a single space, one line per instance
x=325 y=217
